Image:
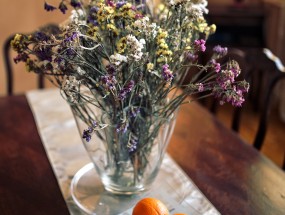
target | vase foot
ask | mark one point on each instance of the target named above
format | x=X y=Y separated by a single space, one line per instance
x=89 y=195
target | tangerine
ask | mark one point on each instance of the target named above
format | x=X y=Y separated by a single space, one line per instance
x=150 y=206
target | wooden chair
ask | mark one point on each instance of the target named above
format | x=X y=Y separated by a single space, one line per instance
x=263 y=71
x=277 y=74
x=49 y=29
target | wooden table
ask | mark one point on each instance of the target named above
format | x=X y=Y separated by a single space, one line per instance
x=236 y=178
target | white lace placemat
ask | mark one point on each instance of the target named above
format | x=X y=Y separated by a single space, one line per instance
x=67 y=155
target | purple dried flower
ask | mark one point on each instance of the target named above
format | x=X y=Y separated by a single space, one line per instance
x=94 y=124
x=167 y=73
x=21 y=57
x=120 y=4
x=111 y=69
x=231 y=95
x=49 y=7
x=110 y=3
x=70 y=52
x=134 y=112
x=123 y=127
x=200 y=87
x=243 y=86
x=190 y=56
x=132 y=144
x=109 y=81
x=127 y=89
x=225 y=78
x=62 y=7
x=87 y=135
x=138 y=16
x=234 y=67
x=40 y=36
x=140 y=1
x=122 y=95
x=88 y=132
x=220 y=51
x=73 y=36
x=44 y=53
x=235 y=97
x=75 y=3
x=200 y=45
x=94 y=9
x=216 y=66
x=93 y=21
x=60 y=62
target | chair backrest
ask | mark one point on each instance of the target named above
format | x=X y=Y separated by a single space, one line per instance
x=49 y=29
x=266 y=72
x=276 y=75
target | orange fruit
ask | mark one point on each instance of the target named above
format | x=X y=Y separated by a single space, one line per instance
x=150 y=206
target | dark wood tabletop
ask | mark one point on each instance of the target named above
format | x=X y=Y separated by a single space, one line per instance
x=235 y=177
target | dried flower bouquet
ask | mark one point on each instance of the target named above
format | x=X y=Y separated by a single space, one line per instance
x=127 y=59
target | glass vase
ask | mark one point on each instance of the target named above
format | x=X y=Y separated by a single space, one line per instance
x=127 y=157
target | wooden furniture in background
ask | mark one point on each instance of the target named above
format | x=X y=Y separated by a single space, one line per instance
x=252 y=24
x=234 y=176
x=263 y=71
x=277 y=74
x=237 y=26
x=8 y=59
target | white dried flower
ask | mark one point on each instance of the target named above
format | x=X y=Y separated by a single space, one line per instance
x=76 y=17
x=141 y=23
x=80 y=71
x=70 y=86
x=144 y=26
x=117 y=59
x=134 y=48
x=197 y=8
x=176 y=2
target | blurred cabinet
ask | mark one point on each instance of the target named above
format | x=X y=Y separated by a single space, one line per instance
x=275 y=27
x=249 y=25
x=237 y=25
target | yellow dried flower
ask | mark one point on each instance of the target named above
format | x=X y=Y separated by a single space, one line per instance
x=167 y=53
x=150 y=66
x=161 y=34
x=105 y=13
x=93 y=32
x=159 y=52
x=29 y=64
x=163 y=45
x=161 y=59
x=213 y=28
x=18 y=43
x=121 y=45
x=126 y=11
x=113 y=28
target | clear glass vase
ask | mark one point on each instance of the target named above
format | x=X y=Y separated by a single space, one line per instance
x=127 y=158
